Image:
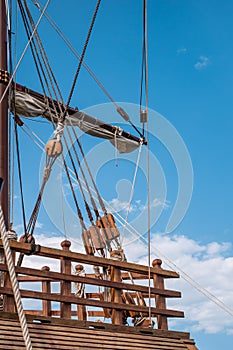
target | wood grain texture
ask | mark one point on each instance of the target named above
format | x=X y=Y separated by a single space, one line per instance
x=90 y=260
x=67 y=337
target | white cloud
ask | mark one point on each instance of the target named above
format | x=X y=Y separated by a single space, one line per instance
x=156 y=203
x=39 y=225
x=118 y=205
x=181 y=50
x=210 y=265
x=202 y=63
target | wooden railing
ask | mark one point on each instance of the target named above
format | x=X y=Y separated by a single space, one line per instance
x=126 y=299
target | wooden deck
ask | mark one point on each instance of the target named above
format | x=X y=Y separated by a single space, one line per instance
x=51 y=333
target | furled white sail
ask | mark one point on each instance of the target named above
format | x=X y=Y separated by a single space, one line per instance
x=24 y=104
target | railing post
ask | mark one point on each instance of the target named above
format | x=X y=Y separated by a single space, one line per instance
x=115 y=275
x=80 y=293
x=160 y=301
x=46 y=288
x=65 y=287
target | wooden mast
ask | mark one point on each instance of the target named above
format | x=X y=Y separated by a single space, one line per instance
x=4 y=148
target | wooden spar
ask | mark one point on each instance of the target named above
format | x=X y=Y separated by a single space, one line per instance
x=80 y=115
x=4 y=156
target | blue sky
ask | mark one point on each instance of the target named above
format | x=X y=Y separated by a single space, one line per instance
x=191 y=85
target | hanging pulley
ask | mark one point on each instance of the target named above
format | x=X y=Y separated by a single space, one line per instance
x=53 y=148
x=109 y=229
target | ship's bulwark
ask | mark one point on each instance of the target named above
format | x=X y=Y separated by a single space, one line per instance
x=47 y=333
x=51 y=328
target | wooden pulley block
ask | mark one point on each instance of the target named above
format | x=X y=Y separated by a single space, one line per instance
x=27 y=239
x=106 y=231
x=97 y=238
x=53 y=148
x=110 y=230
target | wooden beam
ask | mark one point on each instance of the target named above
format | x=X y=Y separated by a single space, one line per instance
x=65 y=285
x=160 y=301
x=46 y=288
x=90 y=260
x=115 y=275
x=92 y=281
x=96 y=303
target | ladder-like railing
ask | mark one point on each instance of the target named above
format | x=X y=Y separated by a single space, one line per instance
x=127 y=300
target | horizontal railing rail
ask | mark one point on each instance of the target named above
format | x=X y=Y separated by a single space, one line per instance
x=89 y=259
x=122 y=300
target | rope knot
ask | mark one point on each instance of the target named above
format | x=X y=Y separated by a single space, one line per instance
x=58 y=132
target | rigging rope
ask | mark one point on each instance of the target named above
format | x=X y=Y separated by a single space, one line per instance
x=148 y=153
x=132 y=191
x=89 y=171
x=167 y=261
x=122 y=113
x=49 y=71
x=96 y=211
x=78 y=180
x=38 y=63
x=45 y=59
x=63 y=213
x=20 y=176
x=14 y=283
x=34 y=51
x=82 y=57
x=144 y=119
x=24 y=52
x=75 y=52
x=53 y=151
x=187 y=278
x=74 y=197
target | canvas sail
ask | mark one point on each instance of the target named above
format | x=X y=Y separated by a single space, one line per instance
x=31 y=104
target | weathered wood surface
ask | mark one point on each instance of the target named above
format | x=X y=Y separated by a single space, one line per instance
x=160 y=300
x=56 y=276
x=65 y=286
x=71 y=299
x=62 y=335
x=95 y=325
x=90 y=260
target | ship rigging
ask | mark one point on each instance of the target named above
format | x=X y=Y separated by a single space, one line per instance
x=116 y=301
